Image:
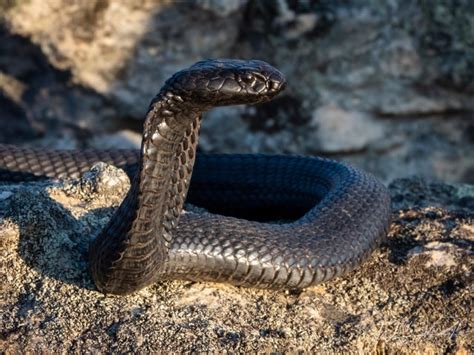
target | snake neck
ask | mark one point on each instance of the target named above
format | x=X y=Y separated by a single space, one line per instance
x=151 y=209
x=167 y=158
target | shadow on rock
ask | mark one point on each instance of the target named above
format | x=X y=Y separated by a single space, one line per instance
x=53 y=240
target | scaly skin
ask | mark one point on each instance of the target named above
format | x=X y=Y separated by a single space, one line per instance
x=341 y=214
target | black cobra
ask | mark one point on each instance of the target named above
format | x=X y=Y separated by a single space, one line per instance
x=339 y=214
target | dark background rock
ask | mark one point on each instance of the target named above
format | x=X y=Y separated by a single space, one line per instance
x=386 y=85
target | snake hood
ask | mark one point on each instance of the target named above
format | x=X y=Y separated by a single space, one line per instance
x=221 y=82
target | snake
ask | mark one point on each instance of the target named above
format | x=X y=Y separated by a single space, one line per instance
x=270 y=221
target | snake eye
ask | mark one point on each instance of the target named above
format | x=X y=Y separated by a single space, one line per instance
x=248 y=78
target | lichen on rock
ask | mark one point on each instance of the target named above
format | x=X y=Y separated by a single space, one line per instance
x=414 y=294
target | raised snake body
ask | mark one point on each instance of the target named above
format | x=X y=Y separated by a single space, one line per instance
x=340 y=213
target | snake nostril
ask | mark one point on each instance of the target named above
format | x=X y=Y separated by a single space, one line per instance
x=275 y=84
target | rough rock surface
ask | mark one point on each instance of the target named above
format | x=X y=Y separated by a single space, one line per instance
x=398 y=76
x=415 y=294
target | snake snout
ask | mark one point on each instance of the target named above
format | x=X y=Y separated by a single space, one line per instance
x=261 y=83
x=276 y=84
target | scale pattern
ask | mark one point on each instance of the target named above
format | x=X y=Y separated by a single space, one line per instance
x=338 y=214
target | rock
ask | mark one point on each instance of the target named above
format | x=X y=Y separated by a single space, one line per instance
x=338 y=130
x=399 y=77
x=418 y=192
x=39 y=100
x=101 y=179
x=221 y=7
x=440 y=255
x=383 y=85
x=413 y=295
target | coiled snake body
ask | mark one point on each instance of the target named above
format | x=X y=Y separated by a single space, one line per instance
x=340 y=214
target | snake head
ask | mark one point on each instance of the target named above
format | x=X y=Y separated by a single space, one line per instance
x=221 y=82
